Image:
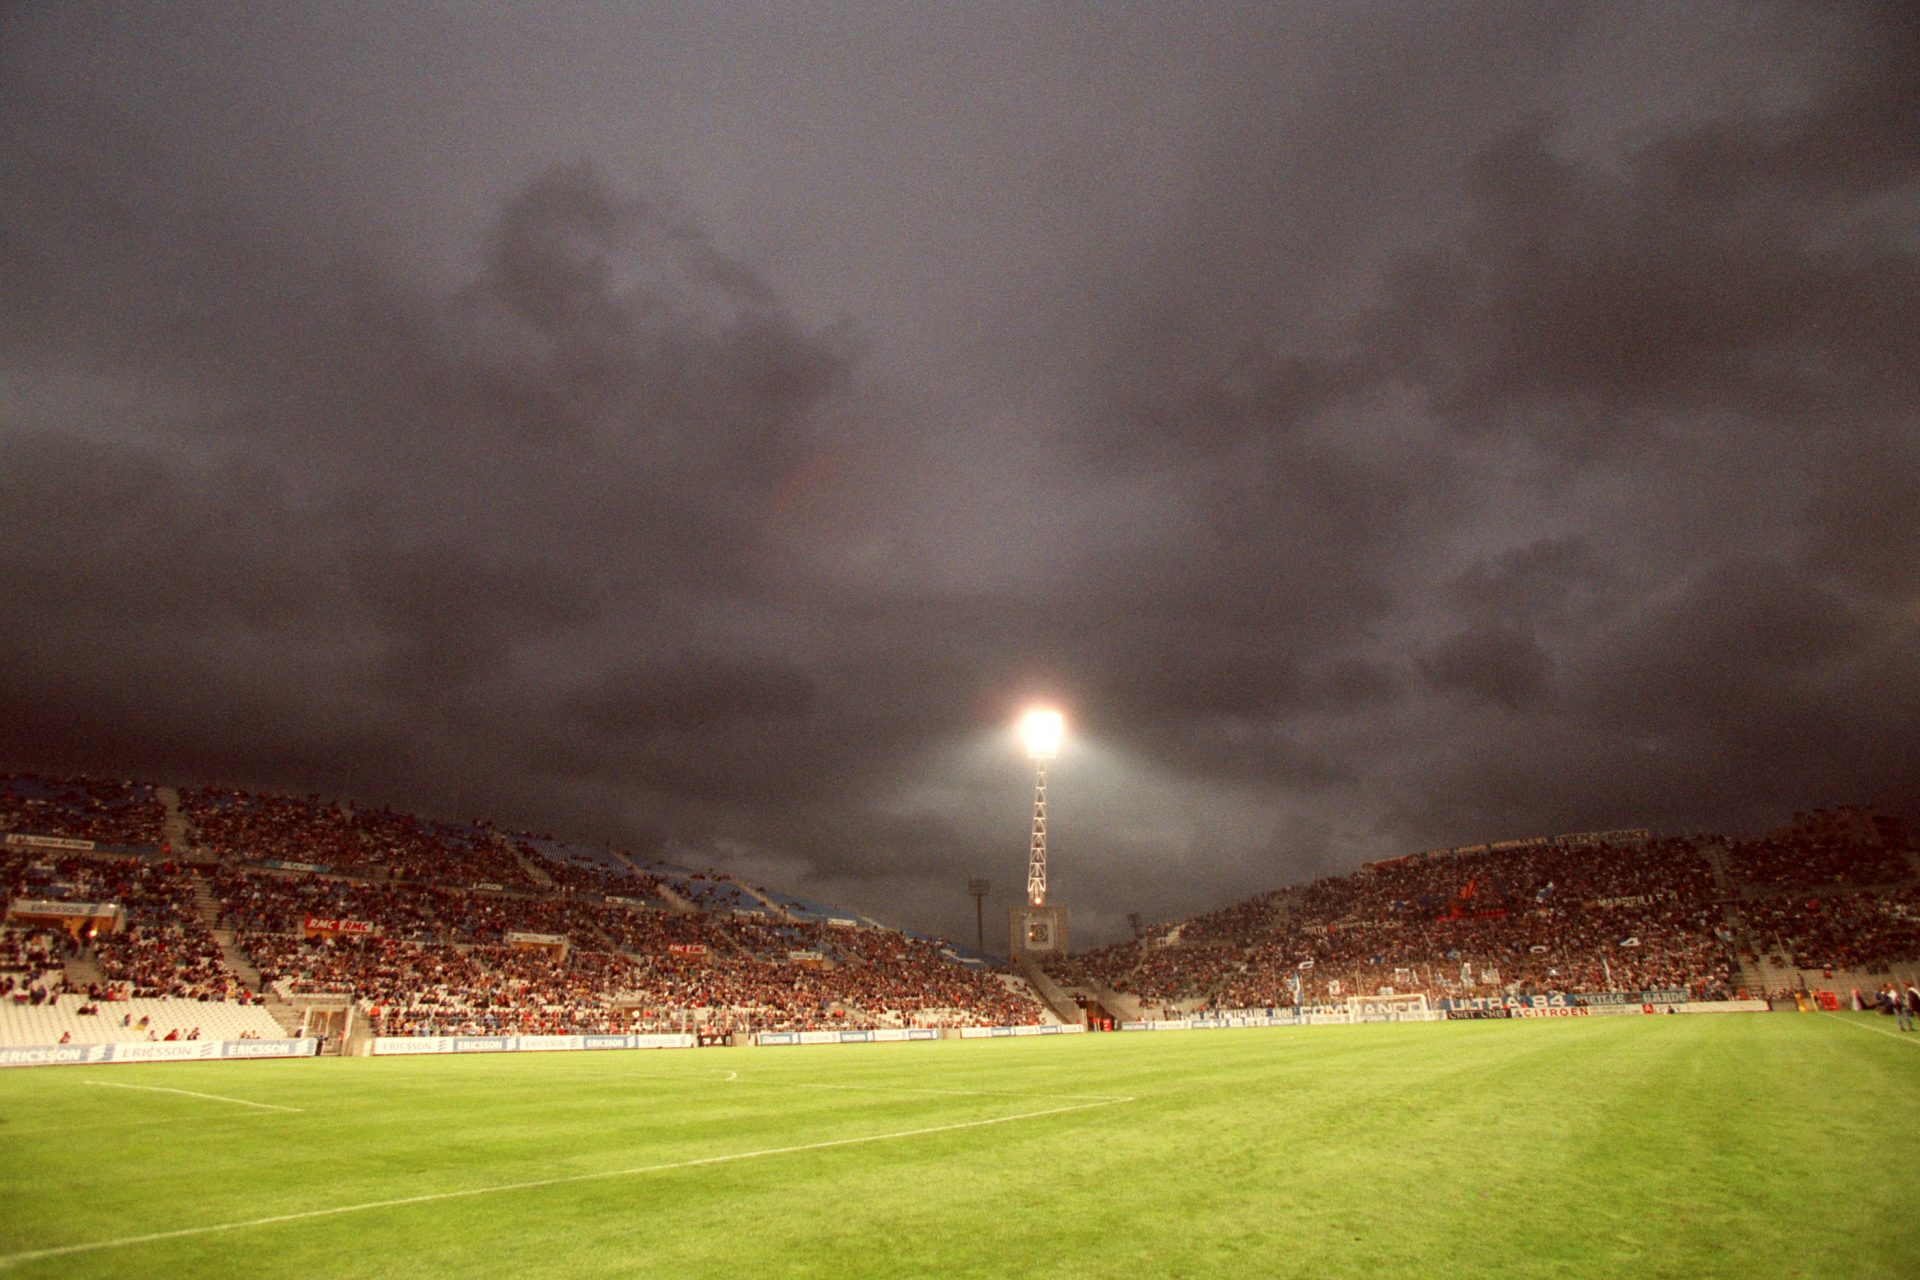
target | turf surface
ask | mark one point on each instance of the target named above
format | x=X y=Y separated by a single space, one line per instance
x=1738 y=1146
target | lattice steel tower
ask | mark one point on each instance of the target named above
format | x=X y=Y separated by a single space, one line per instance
x=1042 y=730
x=1036 y=927
x=1037 y=851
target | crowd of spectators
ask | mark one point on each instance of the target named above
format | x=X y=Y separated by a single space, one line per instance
x=600 y=879
x=164 y=949
x=430 y=958
x=1870 y=932
x=421 y=922
x=104 y=810
x=31 y=964
x=408 y=988
x=243 y=826
x=865 y=978
x=1804 y=860
x=1540 y=917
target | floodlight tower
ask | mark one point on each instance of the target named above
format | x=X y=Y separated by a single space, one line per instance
x=1036 y=927
x=1040 y=730
x=979 y=890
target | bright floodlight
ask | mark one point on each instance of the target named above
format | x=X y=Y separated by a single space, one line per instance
x=1041 y=729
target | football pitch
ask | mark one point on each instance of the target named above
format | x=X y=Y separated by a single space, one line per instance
x=1738 y=1146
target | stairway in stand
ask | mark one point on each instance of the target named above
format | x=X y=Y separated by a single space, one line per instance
x=774 y=909
x=534 y=871
x=1754 y=978
x=207 y=907
x=1057 y=1002
x=173 y=823
x=1715 y=856
x=681 y=904
x=83 y=971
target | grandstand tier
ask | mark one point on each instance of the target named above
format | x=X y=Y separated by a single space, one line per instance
x=262 y=903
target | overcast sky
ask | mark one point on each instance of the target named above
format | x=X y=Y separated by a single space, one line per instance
x=705 y=427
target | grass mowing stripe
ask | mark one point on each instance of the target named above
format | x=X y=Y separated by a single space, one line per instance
x=1719 y=1148
x=95 y=1246
x=10 y=1131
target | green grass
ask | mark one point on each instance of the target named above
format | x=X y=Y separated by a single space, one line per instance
x=1738 y=1146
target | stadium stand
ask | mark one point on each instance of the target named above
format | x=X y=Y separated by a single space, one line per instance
x=78 y=1019
x=425 y=927
x=429 y=927
x=126 y=815
x=1540 y=916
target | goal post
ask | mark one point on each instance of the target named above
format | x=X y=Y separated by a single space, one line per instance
x=1411 y=1007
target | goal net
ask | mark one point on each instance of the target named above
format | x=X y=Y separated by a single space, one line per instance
x=1395 y=1008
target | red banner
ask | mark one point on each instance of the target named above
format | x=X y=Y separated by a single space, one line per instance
x=314 y=925
x=686 y=948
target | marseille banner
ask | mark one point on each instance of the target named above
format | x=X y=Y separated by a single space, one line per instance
x=1562 y=1000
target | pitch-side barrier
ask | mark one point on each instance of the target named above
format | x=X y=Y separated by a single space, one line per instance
x=898 y=1035
x=527 y=1044
x=1517 y=1007
x=888 y=1035
x=60 y=1055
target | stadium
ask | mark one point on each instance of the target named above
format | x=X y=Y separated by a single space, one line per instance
x=855 y=637
x=449 y=1047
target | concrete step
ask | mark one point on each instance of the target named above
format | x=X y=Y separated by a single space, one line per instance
x=534 y=870
x=681 y=904
x=83 y=971
x=774 y=909
x=174 y=832
x=1123 y=1005
x=237 y=960
x=1053 y=997
x=287 y=1015
x=1716 y=859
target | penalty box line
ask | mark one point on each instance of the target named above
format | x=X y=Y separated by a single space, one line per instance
x=531 y=1184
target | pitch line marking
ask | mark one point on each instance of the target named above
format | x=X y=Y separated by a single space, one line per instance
x=1880 y=1031
x=1095 y=1099
x=731 y=1077
x=188 y=1093
x=124 y=1242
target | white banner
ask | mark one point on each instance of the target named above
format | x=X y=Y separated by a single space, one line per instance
x=45 y=1055
x=19 y=839
x=54 y=907
x=387 y=1045
x=1724 y=1006
x=889 y=1035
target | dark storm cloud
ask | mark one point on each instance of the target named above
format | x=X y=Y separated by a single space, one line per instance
x=365 y=499
x=1490 y=663
x=1380 y=426
x=1652 y=364
x=1539 y=578
x=1739 y=272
